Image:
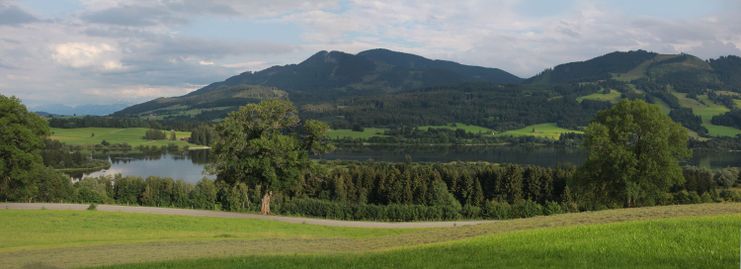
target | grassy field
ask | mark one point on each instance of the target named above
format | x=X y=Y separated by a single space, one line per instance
x=693 y=236
x=454 y=126
x=132 y=136
x=545 y=130
x=697 y=242
x=706 y=109
x=347 y=133
x=613 y=97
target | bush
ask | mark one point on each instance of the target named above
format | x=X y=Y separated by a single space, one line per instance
x=92 y=207
x=204 y=194
x=552 y=208
x=392 y=212
x=730 y=195
x=471 y=212
x=154 y=134
x=497 y=210
x=706 y=198
x=694 y=198
x=91 y=190
x=526 y=209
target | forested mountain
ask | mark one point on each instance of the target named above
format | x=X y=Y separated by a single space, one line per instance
x=600 y=68
x=383 y=88
x=374 y=70
x=206 y=105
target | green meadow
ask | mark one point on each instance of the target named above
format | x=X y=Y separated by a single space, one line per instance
x=697 y=242
x=706 y=109
x=131 y=136
x=687 y=236
x=348 y=133
x=543 y=130
x=613 y=97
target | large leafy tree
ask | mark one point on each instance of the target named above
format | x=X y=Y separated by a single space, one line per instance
x=265 y=146
x=21 y=141
x=634 y=153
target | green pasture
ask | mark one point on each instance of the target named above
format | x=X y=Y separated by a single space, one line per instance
x=348 y=133
x=696 y=236
x=613 y=97
x=706 y=109
x=696 y=242
x=132 y=136
x=475 y=129
x=544 y=130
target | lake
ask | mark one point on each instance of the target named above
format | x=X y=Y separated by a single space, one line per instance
x=189 y=166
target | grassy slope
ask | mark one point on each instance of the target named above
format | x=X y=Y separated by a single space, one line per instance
x=347 y=133
x=641 y=70
x=89 y=238
x=706 y=109
x=25 y=230
x=132 y=136
x=546 y=130
x=695 y=242
x=613 y=97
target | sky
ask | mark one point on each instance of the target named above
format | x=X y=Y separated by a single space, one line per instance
x=78 y=52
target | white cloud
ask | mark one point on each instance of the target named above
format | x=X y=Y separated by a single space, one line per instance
x=80 y=55
x=126 y=51
x=142 y=92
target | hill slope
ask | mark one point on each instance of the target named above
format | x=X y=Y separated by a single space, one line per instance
x=323 y=76
x=387 y=89
x=46 y=238
x=377 y=69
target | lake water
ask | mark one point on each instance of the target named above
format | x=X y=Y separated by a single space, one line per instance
x=190 y=165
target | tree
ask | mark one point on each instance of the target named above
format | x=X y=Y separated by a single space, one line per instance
x=173 y=136
x=21 y=141
x=726 y=177
x=262 y=146
x=634 y=153
x=154 y=134
x=314 y=137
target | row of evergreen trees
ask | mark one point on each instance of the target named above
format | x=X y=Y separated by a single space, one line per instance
x=396 y=192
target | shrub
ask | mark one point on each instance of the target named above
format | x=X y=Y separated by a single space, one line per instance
x=497 y=210
x=471 y=212
x=706 y=198
x=91 y=190
x=526 y=209
x=92 y=207
x=694 y=197
x=552 y=208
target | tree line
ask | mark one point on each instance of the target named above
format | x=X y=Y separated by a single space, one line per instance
x=394 y=191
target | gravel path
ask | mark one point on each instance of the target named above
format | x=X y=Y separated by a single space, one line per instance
x=221 y=214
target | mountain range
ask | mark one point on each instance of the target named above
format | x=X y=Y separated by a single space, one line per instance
x=382 y=88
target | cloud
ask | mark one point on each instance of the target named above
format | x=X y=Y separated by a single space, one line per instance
x=142 y=92
x=12 y=15
x=133 y=16
x=80 y=55
x=109 y=51
x=151 y=13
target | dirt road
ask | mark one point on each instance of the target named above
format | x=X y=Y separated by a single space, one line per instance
x=221 y=214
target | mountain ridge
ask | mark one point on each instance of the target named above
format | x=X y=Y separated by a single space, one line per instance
x=380 y=87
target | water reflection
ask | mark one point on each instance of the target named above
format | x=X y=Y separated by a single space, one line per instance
x=188 y=166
